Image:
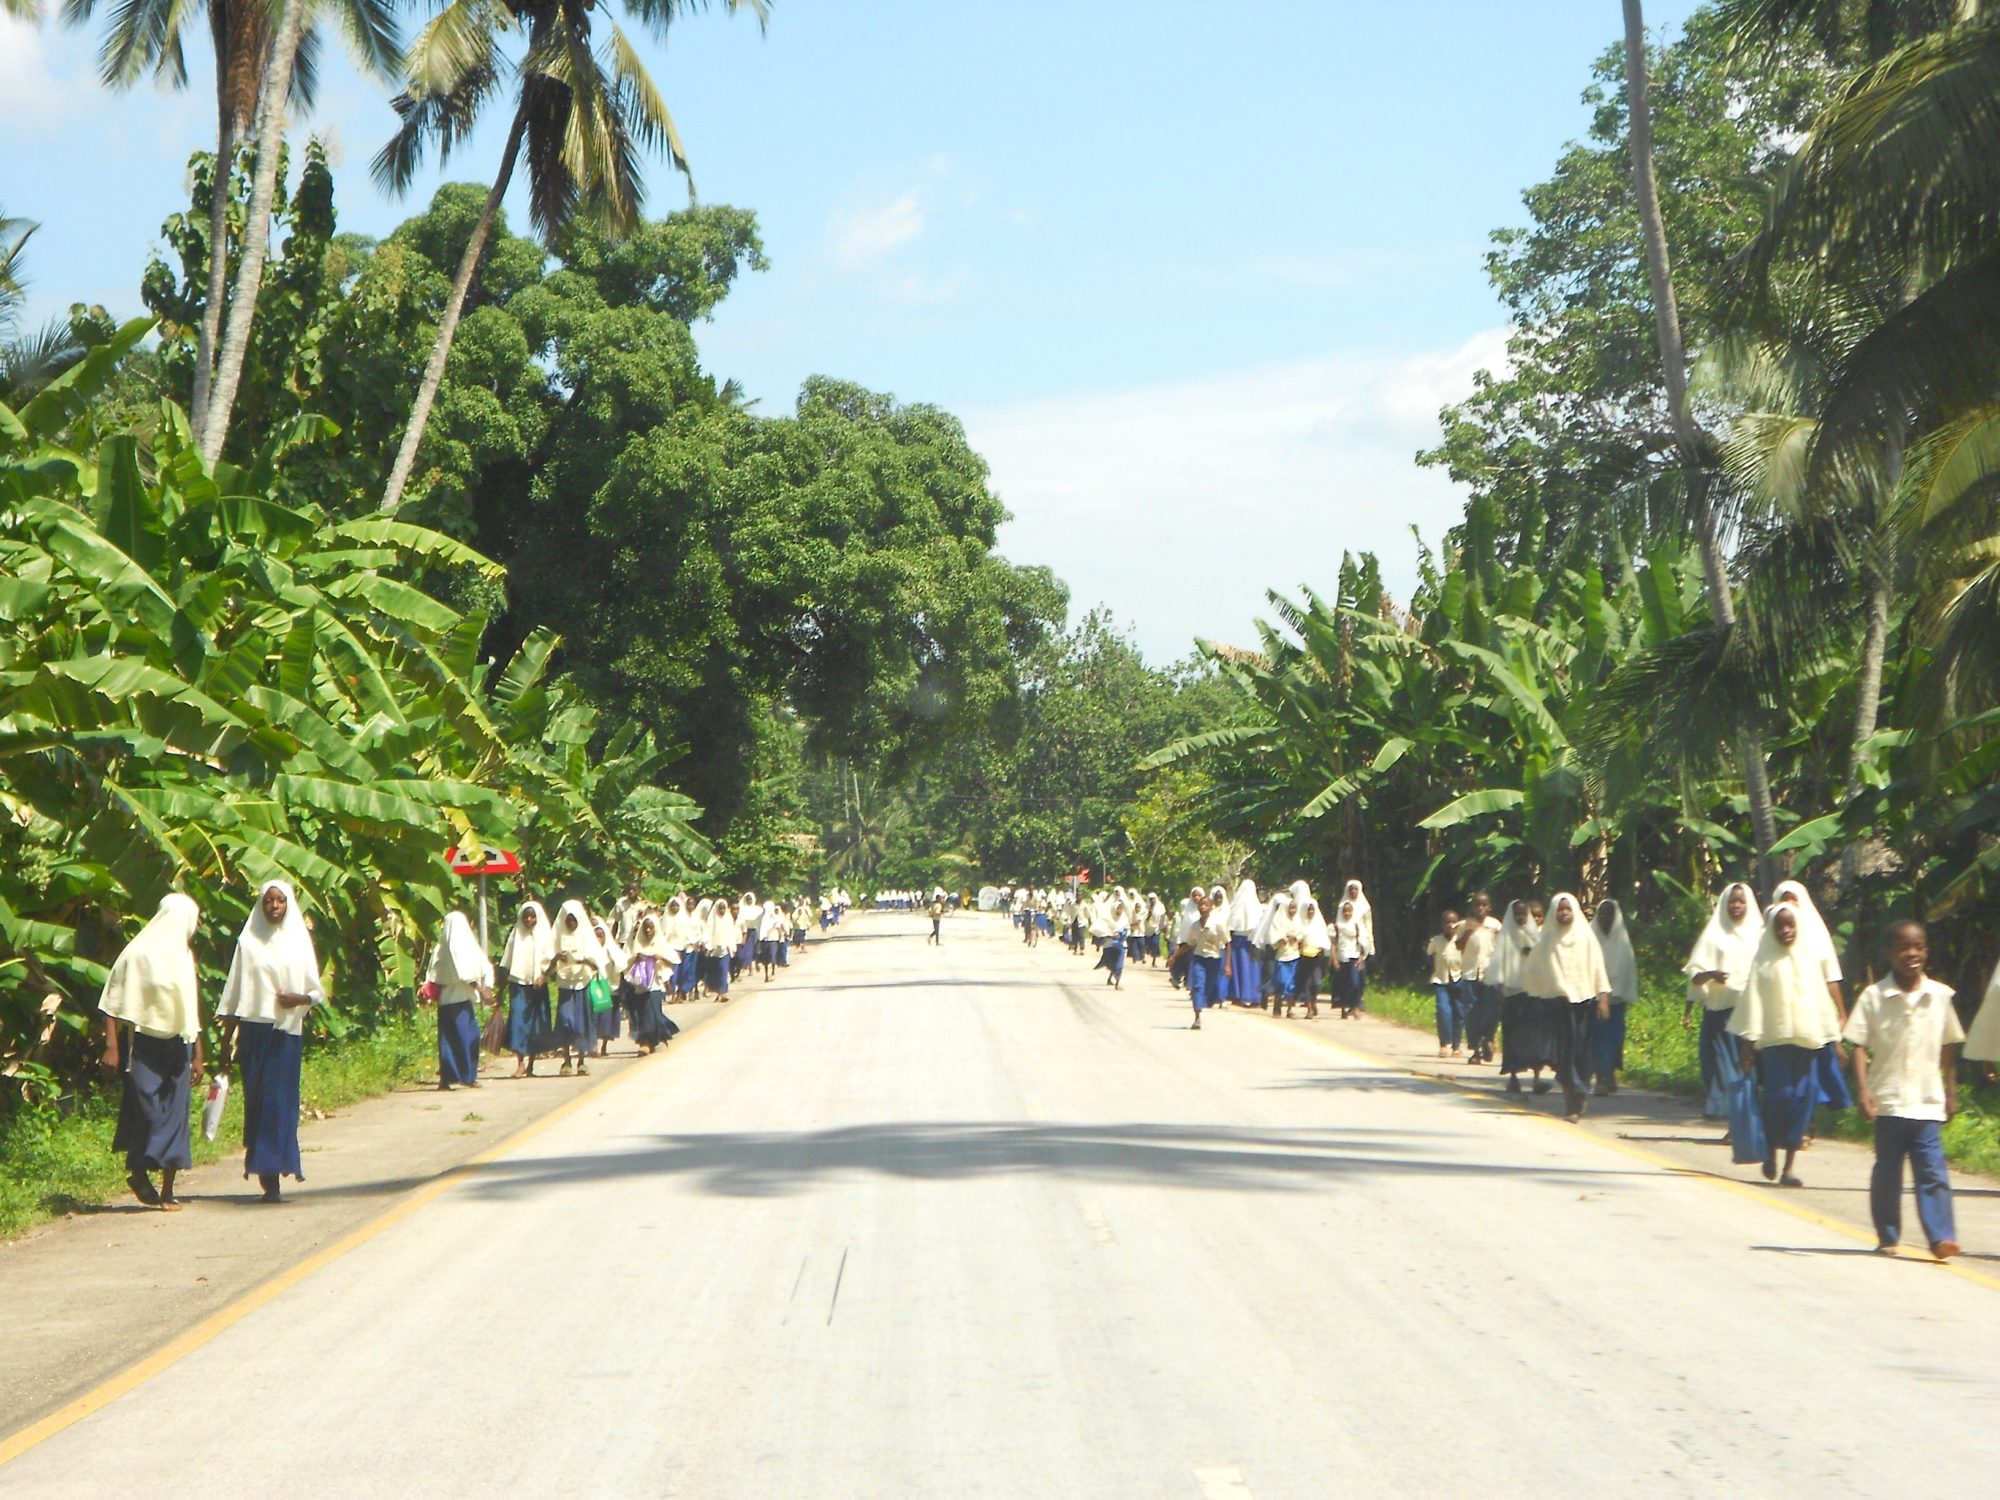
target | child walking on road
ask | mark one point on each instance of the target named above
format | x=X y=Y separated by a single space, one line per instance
x=1446 y=974
x=1905 y=1034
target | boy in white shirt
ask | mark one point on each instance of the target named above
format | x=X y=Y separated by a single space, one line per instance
x=1905 y=1035
x=1446 y=961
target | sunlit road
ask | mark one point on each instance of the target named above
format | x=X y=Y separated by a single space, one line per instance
x=960 y=1222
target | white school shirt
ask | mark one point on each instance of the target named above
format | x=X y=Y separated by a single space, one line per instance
x=1350 y=941
x=1443 y=953
x=1211 y=935
x=1905 y=1033
x=1479 y=945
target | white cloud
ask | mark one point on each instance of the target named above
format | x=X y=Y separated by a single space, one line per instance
x=29 y=91
x=1178 y=506
x=864 y=237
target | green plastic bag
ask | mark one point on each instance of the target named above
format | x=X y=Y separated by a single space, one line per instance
x=600 y=993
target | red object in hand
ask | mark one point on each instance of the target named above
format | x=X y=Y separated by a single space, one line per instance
x=430 y=992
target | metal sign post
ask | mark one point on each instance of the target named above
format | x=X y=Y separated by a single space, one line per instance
x=482 y=862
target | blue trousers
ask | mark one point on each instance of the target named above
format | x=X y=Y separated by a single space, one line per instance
x=1922 y=1141
x=1451 y=1007
x=1204 y=982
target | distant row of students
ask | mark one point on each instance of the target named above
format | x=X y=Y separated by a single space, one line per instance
x=608 y=975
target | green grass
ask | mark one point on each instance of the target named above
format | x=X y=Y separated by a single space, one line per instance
x=1660 y=1055
x=52 y=1163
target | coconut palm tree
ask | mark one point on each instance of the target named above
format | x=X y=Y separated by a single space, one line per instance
x=150 y=39
x=27 y=361
x=1701 y=509
x=581 y=116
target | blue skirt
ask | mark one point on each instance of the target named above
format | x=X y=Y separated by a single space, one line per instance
x=608 y=1023
x=153 y=1115
x=1795 y=1079
x=576 y=1024
x=1720 y=1064
x=784 y=953
x=715 y=969
x=1239 y=978
x=1607 y=1043
x=688 y=973
x=650 y=1025
x=270 y=1060
x=458 y=1043
x=528 y=1031
x=747 y=954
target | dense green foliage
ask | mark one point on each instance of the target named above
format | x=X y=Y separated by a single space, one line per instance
x=1554 y=708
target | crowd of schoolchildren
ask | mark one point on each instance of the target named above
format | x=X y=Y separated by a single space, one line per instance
x=1543 y=990
x=611 y=976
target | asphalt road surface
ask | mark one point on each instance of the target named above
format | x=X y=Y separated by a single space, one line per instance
x=961 y=1222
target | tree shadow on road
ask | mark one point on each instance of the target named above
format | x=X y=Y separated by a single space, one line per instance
x=772 y=1164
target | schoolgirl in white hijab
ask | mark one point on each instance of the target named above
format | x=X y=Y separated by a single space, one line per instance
x=1789 y=1021
x=1607 y=1037
x=1982 y=1038
x=1718 y=968
x=1567 y=975
x=153 y=989
x=1815 y=934
x=460 y=974
x=1524 y=1039
x=606 y=1021
x=273 y=981
x=1240 y=976
x=1363 y=912
x=724 y=938
x=524 y=967
x=649 y=972
x=1315 y=950
x=580 y=958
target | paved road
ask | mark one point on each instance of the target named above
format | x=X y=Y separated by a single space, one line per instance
x=960 y=1223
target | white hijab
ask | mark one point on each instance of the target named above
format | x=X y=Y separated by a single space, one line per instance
x=1620 y=962
x=1364 y=914
x=269 y=959
x=1726 y=946
x=1787 y=1002
x=1314 y=920
x=582 y=944
x=1260 y=935
x=153 y=984
x=526 y=958
x=1982 y=1042
x=1509 y=959
x=614 y=951
x=1568 y=961
x=661 y=946
x=1813 y=930
x=458 y=959
x=725 y=933
x=1246 y=911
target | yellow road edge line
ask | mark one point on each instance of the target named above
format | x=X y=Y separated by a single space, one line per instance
x=1745 y=1190
x=208 y=1328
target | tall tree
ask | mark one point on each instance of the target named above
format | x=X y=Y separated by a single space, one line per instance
x=579 y=116
x=1688 y=438
x=150 y=38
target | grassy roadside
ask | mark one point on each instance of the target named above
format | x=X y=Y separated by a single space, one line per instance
x=1659 y=1055
x=51 y=1164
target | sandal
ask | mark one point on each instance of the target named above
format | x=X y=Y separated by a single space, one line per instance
x=143 y=1189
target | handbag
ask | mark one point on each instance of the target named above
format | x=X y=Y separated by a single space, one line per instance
x=600 y=993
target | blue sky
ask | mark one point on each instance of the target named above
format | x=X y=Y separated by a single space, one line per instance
x=1196 y=276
